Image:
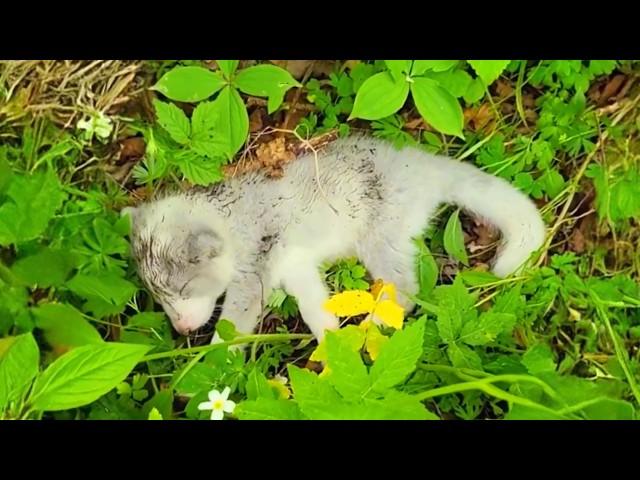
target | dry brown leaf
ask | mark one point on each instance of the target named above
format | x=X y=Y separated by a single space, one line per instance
x=478 y=118
x=274 y=155
x=132 y=149
x=503 y=88
x=611 y=89
x=255 y=121
x=296 y=68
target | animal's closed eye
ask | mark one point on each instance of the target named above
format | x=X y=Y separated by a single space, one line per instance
x=185 y=285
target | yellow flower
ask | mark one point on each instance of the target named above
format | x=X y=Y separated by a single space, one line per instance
x=279 y=383
x=380 y=304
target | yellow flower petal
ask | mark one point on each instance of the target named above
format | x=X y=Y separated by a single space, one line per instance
x=375 y=340
x=390 y=290
x=376 y=287
x=282 y=389
x=350 y=303
x=390 y=313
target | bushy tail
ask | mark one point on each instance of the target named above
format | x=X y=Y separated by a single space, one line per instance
x=494 y=199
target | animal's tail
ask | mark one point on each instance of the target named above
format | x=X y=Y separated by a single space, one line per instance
x=494 y=199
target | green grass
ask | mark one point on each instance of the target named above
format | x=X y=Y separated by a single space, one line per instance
x=561 y=340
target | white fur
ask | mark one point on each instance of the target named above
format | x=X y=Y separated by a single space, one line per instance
x=276 y=233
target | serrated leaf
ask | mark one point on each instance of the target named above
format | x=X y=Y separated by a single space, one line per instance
x=31 y=202
x=268 y=409
x=84 y=374
x=105 y=293
x=189 y=84
x=437 y=106
x=228 y=67
x=174 y=121
x=199 y=170
x=396 y=406
x=398 y=357
x=539 y=359
x=462 y=356
x=19 y=361
x=421 y=66
x=233 y=124
x=266 y=81
x=64 y=327
x=488 y=70
x=351 y=335
x=484 y=329
x=348 y=375
x=316 y=398
x=226 y=330
x=47 y=268
x=258 y=387
x=374 y=341
x=379 y=96
x=454 y=239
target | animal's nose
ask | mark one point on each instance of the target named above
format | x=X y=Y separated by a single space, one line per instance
x=182 y=326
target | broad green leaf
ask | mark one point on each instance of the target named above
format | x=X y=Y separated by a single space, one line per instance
x=610 y=409
x=233 y=124
x=154 y=414
x=398 y=357
x=258 y=387
x=162 y=402
x=226 y=330
x=456 y=82
x=396 y=406
x=539 y=359
x=316 y=398
x=205 y=139
x=475 y=278
x=455 y=308
x=47 y=268
x=64 y=327
x=174 y=121
x=399 y=68
x=351 y=334
x=266 y=81
x=454 y=239
x=189 y=84
x=268 y=409
x=84 y=374
x=488 y=70
x=485 y=328
x=421 y=66
x=6 y=172
x=105 y=294
x=348 y=374
x=552 y=182
x=475 y=91
x=379 y=96
x=437 y=106
x=19 y=360
x=462 y=356
x=31 y=202
x=228 y=67
x=199 y=170
x=427 y=269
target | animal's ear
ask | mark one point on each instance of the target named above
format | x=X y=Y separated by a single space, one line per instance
x=203 y=244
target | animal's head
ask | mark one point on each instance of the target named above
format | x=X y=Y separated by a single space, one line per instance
x=183 y=257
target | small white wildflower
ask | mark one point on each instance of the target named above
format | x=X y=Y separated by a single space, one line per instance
x=218 y=404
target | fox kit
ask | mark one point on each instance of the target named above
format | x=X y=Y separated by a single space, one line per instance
x=251 y=233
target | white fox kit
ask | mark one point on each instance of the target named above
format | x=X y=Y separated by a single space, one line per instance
x=252 y=233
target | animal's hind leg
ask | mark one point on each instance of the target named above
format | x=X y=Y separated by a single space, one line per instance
x=392 y=259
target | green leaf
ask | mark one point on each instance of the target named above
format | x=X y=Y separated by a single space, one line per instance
x=266 y=81
x=398 y=68
x=233 y=125
x=19 y=360
x=174 y=121
x=421 y=66
x=84 y=374
x=105 y=294
x=488 y=70
x=552 y=182
x=539 y=359
x=64 y=327
x=316 y=398
x=154 y=414
x=6 y=172
x=348 y=374
x=31 y=203
x=258 y=387
x=199 y=170
x=268 y=409
x=351 y=335
x=47 y=268
x=398 y=357
x=484 y=329
x=228 y=67
x=462 y=356
x=437 y=106
x=396 y=406
x=204 y=138
x=520 y=412
x=456 y=82
x=379 y=96
x=427 y=270
x=475 y=91
x=454 y=239
x=226 y=330
x=475 y=278
x=610 y=409
x=189 y=84
x=455 y=307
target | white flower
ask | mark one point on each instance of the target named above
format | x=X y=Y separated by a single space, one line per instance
x=218 y=404
x=99 y=125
